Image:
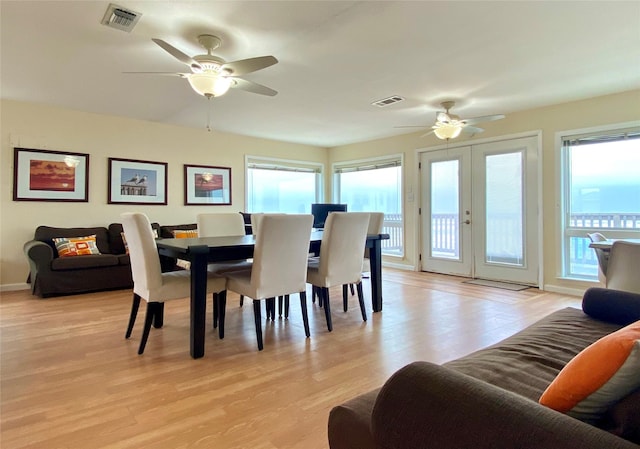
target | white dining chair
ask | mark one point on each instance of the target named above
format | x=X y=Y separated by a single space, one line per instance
x=222 y=225
x=376 y=221
x=623 y=271
x=341 y=258
x=601 y=255
x=278 y=269
x=149 y=283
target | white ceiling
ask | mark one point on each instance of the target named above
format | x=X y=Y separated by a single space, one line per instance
x=336 y=58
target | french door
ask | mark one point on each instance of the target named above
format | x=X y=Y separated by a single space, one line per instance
x=479 y=211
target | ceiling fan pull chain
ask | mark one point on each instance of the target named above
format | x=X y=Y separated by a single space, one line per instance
x=209 y=114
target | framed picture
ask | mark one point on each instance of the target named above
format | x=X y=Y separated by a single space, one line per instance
x=137 y=182
x=207 y=185
x=43 y=175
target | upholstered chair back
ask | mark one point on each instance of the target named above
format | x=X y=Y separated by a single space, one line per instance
x=622 y=271
x=145 y=263
x=280 y=255
x=342 y=247
x=220 y=225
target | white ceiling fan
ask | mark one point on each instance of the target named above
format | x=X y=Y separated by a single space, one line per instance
x=449 y=126
x=211 y=76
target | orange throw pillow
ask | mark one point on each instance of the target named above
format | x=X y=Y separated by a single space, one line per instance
x=598 y=377
x=185 y=233
x=76 y=246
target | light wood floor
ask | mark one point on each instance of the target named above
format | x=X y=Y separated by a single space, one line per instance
x=69 y=379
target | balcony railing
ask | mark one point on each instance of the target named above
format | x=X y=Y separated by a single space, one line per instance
x=392 y=225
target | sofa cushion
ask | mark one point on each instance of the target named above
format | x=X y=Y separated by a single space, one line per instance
x=116 y=240
x=613 y=306
x=80 y=262
x=527 y=362
x=76 y=246
x=48 y=233
x=623 y=419
x=598 y=377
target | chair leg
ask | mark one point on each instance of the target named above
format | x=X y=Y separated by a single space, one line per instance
x=152 y=307
x=158 y=319
x=280 y=305
x=305 y=315
x=258 y=320
x=222 y=307
x=241 y=300
x=345 y=297
x=361 y=301
x=286 y=306
x=327 y=307
x=134 y=313
x=215 y=310
x=352 y=290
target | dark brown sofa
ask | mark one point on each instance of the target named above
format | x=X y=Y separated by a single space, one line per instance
x=51 y=275
x=488 y=399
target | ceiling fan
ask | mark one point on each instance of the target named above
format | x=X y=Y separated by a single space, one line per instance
x=211 y=76
x=449 y=126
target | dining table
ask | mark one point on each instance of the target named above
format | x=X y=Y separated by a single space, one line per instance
x=201 y=251
x=605 y=246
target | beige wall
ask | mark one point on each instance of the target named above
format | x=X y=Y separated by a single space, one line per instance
x=611 y=109
x=43 y=127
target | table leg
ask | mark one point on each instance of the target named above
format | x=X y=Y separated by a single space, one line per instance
x=198 y=298
x=375 y=259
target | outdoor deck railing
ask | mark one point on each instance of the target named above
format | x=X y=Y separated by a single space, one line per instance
x=445 y=232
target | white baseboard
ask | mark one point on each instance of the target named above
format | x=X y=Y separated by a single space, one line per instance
x=14 y=287
x=399 y=266
x=565 y=290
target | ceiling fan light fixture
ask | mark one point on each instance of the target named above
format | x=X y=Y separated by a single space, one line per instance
x=446 y=131
x=209 y=84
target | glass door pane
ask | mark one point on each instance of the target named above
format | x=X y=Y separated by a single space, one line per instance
x=445 y=209
x=504 y=209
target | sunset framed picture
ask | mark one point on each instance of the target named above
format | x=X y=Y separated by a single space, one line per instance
x=137 y=182
x=44 y=175
x=204 y=185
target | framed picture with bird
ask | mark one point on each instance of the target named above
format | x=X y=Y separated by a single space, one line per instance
x=206 y=185
x=137 y=182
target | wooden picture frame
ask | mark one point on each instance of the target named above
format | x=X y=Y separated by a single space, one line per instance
x=137 y=182
x=44 y=175
x=207 y=186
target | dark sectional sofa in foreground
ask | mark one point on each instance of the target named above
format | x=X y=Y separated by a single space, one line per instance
x=489 y=399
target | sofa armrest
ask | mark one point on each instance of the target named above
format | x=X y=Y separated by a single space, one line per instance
x=430 y=406
x=613 y=306
x=39 y=255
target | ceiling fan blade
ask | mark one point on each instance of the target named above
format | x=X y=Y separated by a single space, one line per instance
x=252 y=87
x=182 y=57
x=427 y=133
x=410 y=126
x=244 y=66
x=485 y=118
x=181 y=75
x=472 y=130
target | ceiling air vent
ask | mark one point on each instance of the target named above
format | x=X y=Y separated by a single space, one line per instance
x=387 y=101
x=120 y=18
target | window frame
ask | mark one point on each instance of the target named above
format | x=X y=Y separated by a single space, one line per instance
x=291 y=165
x=563 y=191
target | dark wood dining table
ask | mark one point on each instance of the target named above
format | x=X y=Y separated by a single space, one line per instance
x=204 y=250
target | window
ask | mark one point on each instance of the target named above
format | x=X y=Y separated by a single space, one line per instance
x=601 y=193
x=275 y=185
x=374 y=185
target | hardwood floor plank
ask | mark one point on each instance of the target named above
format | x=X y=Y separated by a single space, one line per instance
x=69 y=379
